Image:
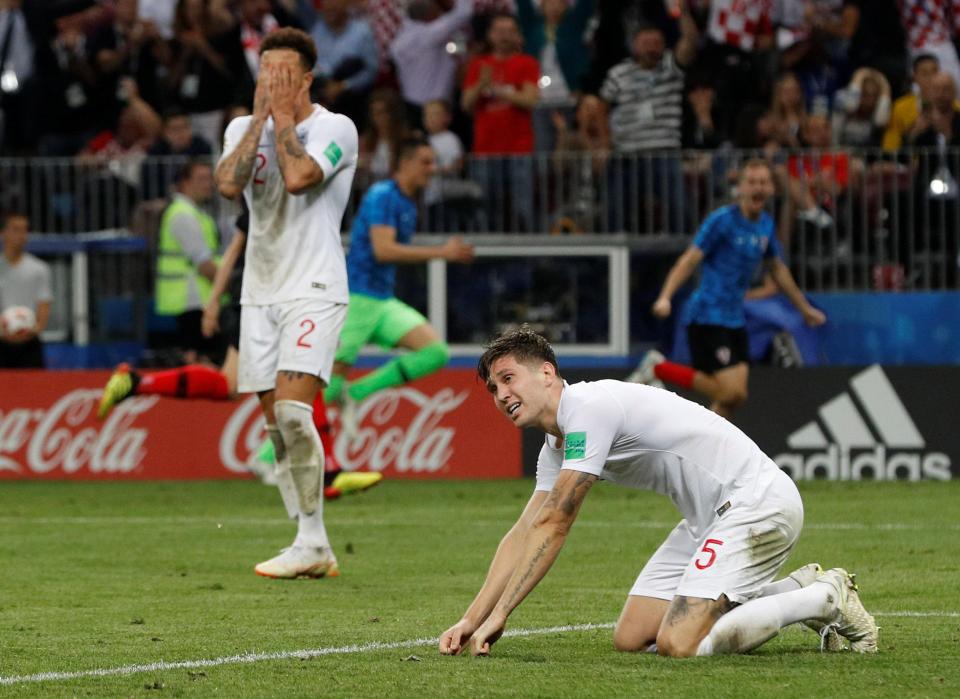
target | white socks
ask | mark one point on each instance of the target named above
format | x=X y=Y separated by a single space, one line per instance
x=759 y=620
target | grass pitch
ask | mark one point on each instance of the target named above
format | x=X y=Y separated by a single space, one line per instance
x=133 y=578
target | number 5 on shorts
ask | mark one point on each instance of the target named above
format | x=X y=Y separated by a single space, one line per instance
x=703 y=565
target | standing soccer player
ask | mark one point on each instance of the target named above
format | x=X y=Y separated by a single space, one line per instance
x=293 y=162
x=379 y=241
x=730 y=244
x=709 y=588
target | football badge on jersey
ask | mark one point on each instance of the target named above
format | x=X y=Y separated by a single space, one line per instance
x=723 y=355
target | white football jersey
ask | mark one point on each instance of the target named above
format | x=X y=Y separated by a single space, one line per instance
x=293 y=243
x=650 y=438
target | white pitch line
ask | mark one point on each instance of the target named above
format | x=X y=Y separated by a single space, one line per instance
x=280 y=521
x=247 y=658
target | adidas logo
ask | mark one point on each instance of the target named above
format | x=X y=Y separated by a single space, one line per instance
x=869 y=435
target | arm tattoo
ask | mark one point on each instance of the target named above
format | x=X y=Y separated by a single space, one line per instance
x=239 y=164
x=541 y=551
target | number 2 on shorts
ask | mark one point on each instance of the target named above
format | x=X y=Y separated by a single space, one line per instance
x=310 y=327
x=703 y=565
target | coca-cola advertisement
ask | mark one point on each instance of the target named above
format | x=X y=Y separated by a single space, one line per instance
x=442 y=426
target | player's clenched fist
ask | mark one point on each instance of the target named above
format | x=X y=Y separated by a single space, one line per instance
x=454 y=638
x=662 y=308
x=456 y=250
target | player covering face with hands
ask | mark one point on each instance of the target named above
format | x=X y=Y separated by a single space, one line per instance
x=710 y=586
x=293 y=162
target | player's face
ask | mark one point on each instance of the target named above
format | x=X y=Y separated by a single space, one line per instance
x=756 y=188
x=15 y=235
x=422 y=164
x=284 y=58
x=519 y=390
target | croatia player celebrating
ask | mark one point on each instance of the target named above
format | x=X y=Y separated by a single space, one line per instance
x=730 y=244
x=293 y=162
x=709 y=588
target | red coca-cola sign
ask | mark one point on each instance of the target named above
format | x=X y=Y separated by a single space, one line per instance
x=444 y=426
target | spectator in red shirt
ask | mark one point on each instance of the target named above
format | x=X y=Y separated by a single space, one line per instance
x=500 y=91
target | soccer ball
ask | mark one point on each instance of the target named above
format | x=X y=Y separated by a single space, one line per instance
x=18 y=319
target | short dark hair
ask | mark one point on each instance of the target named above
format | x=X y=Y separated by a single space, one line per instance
x=409 y=145
x=920 y=58
x=523 y=344
x=501 y=14
x=293 y=40
x=185 y=172
x=7 y=215
x=174 y=112
x=754 y=163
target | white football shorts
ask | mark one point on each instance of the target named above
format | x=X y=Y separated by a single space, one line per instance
x=736 y=556
x=299 y=335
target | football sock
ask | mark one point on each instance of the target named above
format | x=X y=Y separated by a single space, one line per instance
x=757 y=621
x=304 y=453
x=788 y=584
x=677 y=374
x=401 y=370
x=287 y=491
x=334 y=389
x=191 y=381
x=322 y=423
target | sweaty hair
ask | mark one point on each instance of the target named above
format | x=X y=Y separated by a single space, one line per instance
x=293 y=40
x=408 y=146
x=523 y=344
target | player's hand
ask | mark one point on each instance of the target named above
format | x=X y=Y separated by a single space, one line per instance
x=456 y=250
x=261 y=97
x=662 y=308
x=814 y=316
x=285 y=87
x=489 y=633
x=453 y=639
x=210 y=323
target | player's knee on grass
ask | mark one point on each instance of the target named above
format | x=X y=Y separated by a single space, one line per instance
x=630 y=639
x=676 y=645
x=304 y=451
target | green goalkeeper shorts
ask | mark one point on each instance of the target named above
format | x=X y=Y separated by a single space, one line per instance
x=375 y=321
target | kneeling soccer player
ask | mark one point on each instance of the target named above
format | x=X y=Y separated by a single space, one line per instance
x=710 y=587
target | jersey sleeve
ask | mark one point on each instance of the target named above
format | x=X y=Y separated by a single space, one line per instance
x=45 y=287
x=589 y=430
x=382 y=210
x=548 y=467
x=233 y=135
x=333 y=144
x=709 y=234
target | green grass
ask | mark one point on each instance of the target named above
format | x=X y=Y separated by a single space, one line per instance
x=109 y=575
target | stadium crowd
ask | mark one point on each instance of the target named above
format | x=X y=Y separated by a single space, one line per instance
x=564 y=115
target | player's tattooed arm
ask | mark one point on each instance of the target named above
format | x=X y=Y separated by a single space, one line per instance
x=300 y=171
x=539 y=550
x=547 y=535
x=234 y=171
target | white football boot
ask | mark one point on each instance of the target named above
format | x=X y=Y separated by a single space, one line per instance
x=644 y=371
x=852 y=621
x=300 y=562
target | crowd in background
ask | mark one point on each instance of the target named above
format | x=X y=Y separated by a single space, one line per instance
x=118 y=80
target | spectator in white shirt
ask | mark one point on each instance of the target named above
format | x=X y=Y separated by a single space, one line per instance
x=426 y=67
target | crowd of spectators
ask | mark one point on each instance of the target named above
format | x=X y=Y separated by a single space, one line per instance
x=121 y=79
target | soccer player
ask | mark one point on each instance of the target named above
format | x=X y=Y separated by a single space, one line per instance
x=709 y=588
x=293 y=162
x=202 y=382
x=379 y=240
x=730 y=244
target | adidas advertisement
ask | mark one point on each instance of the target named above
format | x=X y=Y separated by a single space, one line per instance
x=841 y=423
x=878 y=423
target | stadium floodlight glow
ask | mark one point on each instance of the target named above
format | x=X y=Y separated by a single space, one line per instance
x=943 y=185
x=9 y=81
